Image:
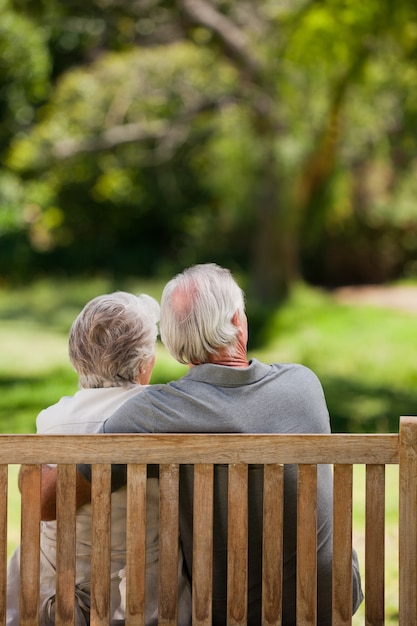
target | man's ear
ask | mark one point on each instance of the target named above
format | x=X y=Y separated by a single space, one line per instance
x=236 y=321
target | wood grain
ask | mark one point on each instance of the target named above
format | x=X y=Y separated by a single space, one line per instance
x=100 y=551
x=204 y=451
x=375 y=546
x=136 y=540
x=307 y=545
x=30 y=545
x=342 y=545
x=65 y=557
x=202 y=583
x=207 y=448
x=168 y=544
x=237 y=545
x=272 y=547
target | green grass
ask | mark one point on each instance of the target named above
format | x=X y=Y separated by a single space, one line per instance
x=365 y=357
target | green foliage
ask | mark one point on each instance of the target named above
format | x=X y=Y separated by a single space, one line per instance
x=11 y=197
x=84 y=209
x=168 y=80
x=278 y=138
x=25 y=66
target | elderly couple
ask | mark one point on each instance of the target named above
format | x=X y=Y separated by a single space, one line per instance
x=202 y=324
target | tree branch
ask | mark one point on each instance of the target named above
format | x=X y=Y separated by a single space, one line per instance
x=232 y=37
x=108 y=139
x=167 y=131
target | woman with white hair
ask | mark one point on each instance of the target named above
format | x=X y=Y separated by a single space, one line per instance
x=112 y=349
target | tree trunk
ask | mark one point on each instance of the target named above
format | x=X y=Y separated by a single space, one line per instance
x=275 y=251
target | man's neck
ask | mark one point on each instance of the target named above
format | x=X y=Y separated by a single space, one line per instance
x=238 y=359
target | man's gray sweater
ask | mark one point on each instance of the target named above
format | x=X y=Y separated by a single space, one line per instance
x=278 y=398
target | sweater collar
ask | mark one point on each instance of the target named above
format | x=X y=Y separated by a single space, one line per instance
x=226 y=376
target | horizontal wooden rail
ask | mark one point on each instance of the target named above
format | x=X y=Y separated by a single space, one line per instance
x=200 y=448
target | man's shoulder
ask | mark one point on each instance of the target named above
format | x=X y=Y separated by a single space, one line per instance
x=296 y=374
x=294 y=369
x=149 y=394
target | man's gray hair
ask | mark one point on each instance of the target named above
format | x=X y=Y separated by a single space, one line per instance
x=197 y=308
x=113 y=339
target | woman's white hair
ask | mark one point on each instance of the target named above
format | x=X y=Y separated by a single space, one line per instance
x=197 y=308
x=113 y=339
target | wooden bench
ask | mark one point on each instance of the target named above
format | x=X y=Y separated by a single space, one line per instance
x=169 y=451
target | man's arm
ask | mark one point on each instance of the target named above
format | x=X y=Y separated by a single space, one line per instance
x=48 y=492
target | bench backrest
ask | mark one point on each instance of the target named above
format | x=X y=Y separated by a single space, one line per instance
x=343 y=451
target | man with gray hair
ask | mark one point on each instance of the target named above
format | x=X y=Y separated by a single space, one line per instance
x=203 y=324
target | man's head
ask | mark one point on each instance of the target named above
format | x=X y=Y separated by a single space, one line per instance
x=112 y=341
x=198 y=314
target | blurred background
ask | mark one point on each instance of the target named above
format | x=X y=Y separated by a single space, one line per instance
x=277 y=138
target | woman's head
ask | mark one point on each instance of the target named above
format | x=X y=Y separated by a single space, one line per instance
x=197 y=311
x=112 y=341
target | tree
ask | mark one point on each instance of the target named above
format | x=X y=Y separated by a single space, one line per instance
x=233 y=137
x=24 y=81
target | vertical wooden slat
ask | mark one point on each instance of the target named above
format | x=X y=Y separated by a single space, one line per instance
x=136 y=542
x=408 y=522
x=30 y=545
x=202 y=545
x=342 y=546
x=101 y=540
x=307 y=545
x=375 y=545
x=65 y=556
x=168 y=544
x=237 y=542
x=272 y=547
x=3 y=541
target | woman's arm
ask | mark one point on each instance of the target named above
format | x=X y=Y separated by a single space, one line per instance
x=48 y=494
